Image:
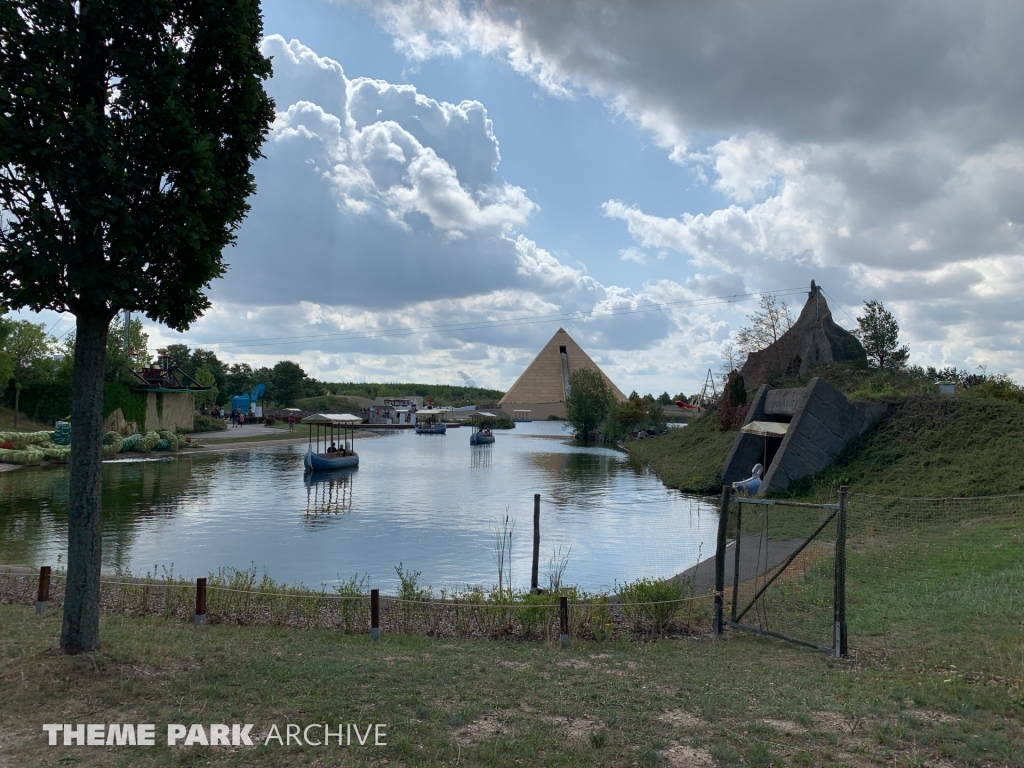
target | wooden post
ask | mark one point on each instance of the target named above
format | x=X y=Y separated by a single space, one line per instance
x=374 y=614
x=563 y=621
x=723 y=522
x=534 y=586
x=840 y=575
x=43 y=596
x=200 y=602
x=736 y=552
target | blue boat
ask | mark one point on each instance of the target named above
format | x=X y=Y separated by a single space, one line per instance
x=333 y=456
x=482 y=435
x=428 y=422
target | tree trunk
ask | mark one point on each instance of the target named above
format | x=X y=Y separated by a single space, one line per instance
x=81 y=630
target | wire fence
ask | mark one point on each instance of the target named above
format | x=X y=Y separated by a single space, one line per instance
x=528 y=617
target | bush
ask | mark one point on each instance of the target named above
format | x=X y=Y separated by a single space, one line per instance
x=201 y=423
x=652 y=603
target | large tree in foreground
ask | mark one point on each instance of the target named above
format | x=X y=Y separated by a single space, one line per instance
x=127 y=132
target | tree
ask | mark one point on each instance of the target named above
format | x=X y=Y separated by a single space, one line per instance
x=879 y=333
x=288 y=382
x=25 y=345
x=665 y=398
x=6 y=364
x=127 y=132
x=181 y=357
x=240 y=378
x=204 y=377
x=201 y=357
x=588 y=402
x=767 y=324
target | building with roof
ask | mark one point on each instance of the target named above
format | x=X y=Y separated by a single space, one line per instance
x=541 y=389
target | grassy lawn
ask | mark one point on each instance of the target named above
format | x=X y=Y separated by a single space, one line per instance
x=936 y=679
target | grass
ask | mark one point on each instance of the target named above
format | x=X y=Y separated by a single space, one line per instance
x=934 y=446
x=25 y=424
x=929 y=683
x=689 y=458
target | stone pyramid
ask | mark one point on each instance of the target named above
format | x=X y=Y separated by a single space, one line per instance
x=814 y=338
x=541 y=387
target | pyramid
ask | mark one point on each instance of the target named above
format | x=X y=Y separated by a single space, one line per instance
x=541 y=388
x=814 y=338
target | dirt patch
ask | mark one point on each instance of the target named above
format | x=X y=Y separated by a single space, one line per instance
x=684 y=756
x=785 y=726
x=577 y=728
x=840 y=724
x=680 y=718
x=931 y=716
x=575 y=664
x=600 y=656
x=483 y=728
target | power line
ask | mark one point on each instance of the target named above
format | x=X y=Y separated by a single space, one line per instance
x=489 y=324
x=840 y=307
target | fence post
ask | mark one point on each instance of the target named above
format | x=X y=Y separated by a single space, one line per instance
x=841 y=646
x=534 y=587
x=736 y=555
x=374 y=614
x=563 y=621
x=43 y=596
x=200 y=602
x=723 y=522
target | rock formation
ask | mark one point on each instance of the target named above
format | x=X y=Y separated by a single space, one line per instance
x=814 y=338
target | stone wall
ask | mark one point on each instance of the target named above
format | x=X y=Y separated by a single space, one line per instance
x=164 y=410
x=822 y=422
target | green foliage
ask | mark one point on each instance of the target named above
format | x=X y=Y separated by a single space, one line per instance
x=161 y=175
x=737 y=389
x=201 y=423
x=588 y=402
x=287 y=383
x=635 y=414
x=328 y=404
x=879 y=333
x=665 y=398
x=651 y=603
x=131 y=401
x=933 y=445
x=689 y=458
x=204 y=376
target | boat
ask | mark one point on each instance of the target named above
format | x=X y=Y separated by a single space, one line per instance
x=330 y=425
x=428 y=422
x=482 y=435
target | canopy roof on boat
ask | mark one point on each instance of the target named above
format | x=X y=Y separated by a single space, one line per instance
x=430 y=412
x=485 y=415
x=766 y=428
x=333 y=419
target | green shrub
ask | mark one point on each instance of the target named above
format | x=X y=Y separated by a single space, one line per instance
x=201 y=423
x=651 y=603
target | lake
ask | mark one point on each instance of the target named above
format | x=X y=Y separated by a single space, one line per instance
x=430 y=502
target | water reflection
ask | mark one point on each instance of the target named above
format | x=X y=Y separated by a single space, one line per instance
x=328 y=492
x=423 y=500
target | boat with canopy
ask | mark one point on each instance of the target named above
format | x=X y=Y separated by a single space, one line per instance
x=428 y=422
x=482 y=435
x=332 y=427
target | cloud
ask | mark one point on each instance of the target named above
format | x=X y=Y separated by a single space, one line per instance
x=878 y=147
x=633 y=254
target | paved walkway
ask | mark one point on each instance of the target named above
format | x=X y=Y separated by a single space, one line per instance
x=703 y=573
x=246 y=430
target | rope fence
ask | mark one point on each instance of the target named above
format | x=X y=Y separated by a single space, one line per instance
x=530 y=617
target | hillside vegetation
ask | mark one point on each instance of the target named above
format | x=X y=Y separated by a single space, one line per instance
x=933 y=445
x=689 y=458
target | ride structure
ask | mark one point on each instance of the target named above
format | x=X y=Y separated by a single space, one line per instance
x=428 y=422
x=482 y=434
x=331 y=426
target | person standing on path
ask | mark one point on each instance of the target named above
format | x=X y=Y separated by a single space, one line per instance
x=291 y=422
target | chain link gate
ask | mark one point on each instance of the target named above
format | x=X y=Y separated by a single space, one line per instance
x=788 y=570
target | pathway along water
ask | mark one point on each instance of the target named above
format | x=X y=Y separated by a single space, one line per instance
x=430 y=502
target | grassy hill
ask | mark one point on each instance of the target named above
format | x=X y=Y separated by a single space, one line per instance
x=931 y=446
x=689 y=458
x=24 y=424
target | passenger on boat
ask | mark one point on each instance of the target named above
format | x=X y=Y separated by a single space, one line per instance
x=332 y=448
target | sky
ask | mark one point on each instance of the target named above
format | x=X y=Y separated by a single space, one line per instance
x=448 y=183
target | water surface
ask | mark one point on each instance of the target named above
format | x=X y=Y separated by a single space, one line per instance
x=430 y=502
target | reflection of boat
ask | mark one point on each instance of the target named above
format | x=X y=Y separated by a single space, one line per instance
x=482 y=435
x=328 y=492
x=333 y=456
x=428 y=422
